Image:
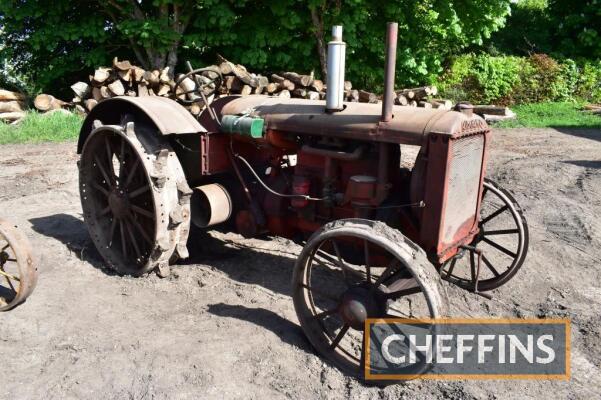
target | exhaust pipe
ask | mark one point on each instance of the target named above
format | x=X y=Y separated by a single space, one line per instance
x=392 y=32
x=336 y=65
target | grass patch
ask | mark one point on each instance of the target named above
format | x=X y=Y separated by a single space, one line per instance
x=549 y=115
x=36 y=128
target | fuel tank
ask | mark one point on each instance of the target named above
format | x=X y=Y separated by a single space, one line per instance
x=359 y=121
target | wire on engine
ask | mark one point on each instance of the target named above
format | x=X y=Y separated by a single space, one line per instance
x=302 y=196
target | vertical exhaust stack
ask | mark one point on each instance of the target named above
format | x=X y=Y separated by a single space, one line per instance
x=336 y=65
x=392 y=32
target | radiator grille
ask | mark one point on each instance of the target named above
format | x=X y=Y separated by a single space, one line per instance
x=464 y=183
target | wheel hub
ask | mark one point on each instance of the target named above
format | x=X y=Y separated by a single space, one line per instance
x=3 y=258
x=119 y=203
x=359 y=303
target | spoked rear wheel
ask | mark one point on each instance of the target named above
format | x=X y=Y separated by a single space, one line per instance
x=352 y=270
x=503 y=243
x=18 y=273
x=135 y=199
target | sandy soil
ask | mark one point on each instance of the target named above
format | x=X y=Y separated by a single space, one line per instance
x=224 y=326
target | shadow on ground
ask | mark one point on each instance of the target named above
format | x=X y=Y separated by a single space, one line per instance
x=586 y=133
x=72 y=232
x=591 y=164
x=240 y=262
x=288 y=331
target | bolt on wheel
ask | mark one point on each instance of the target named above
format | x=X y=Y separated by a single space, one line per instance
x=502 y=243
x=18 y=273
x=135 y=200
x=354 y=270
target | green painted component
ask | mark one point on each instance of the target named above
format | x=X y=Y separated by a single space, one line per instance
x=243 y=125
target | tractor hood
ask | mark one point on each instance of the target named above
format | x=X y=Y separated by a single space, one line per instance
x=361 y=121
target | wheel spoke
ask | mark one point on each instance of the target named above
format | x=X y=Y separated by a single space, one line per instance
x=473 y=267
x=319 y=292
x=490 y=266
x=340 y=263
x=401 y=293
x=105 y=211
x=452 y=267
x=131 y=174
x=112 y=231
x=103 y=171
x=141 y=211
x=326 y=313
x=339 y=337
x=138 y=192
x=122 y=162
x=362 y=358
x=109 y=154
x=141 y=230
x=495 y=214
x=501 y=232
x=133 y=239
x=386 y=274
x=500 y=248
x=367 y=267
x=123 y=242
x=5 y=247
x=9 y=276
x=100 y=189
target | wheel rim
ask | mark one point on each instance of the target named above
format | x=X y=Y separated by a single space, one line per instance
x=502 y=242
x=18 y=274
x=334 y=295
x=117 y=197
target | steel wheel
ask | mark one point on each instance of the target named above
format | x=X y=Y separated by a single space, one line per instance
x=18 y=273
x=351 y=270
x=503 y=242
x=135 y=199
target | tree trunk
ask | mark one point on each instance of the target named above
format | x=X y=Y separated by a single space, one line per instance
x=317 y=19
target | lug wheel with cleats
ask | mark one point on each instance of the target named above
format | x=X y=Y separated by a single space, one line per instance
x=18 y=272
x=135 y=199
x=501 y=246
x=352 y=270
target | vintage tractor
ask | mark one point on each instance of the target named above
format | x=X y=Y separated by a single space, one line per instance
x=378 y=238
x=18 y=272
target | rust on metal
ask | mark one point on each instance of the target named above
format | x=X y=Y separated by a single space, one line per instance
x=392 y=32
x=18 y=269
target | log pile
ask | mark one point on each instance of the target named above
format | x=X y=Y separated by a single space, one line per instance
x=12 y=106
x=126 y=79
x=494 y=113
x=424 y=97
x=593 y=108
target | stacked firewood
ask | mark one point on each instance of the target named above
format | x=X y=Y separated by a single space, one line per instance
x=126 y=79
x=424 y=97
x=12 y=106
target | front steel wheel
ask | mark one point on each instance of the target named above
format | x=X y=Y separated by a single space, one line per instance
x=18 y=272
x=502 y=244
x=135 y=199
x=351 y=270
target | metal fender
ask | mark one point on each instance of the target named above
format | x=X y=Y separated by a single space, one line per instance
x=169 y=117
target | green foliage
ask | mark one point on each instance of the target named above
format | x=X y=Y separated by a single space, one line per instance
x=554 y=115
x=60 y=41
x=36 y=128
x=520 y=80
x=562 y=28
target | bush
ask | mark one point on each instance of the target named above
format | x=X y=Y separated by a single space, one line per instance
x=507 y=80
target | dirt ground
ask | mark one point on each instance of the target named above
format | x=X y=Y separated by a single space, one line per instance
x=223 y=325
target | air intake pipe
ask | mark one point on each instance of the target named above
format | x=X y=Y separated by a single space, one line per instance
x=336 y=65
